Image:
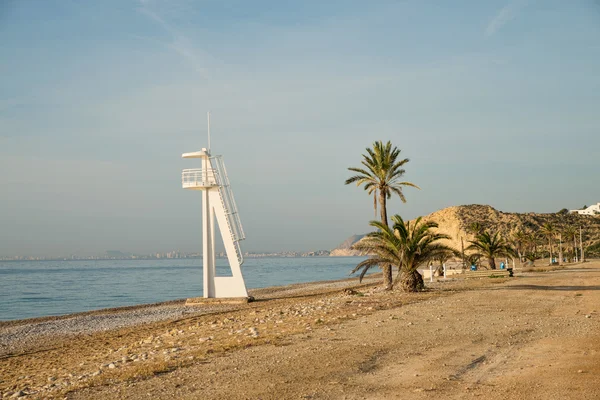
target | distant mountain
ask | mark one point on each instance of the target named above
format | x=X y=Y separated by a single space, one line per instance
x=455 y=222
x=344 y=249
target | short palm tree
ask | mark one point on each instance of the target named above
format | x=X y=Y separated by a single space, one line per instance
x=442 y=259
x=490 y=246
x=475 y=228
x=381 y=177
x=405 y=245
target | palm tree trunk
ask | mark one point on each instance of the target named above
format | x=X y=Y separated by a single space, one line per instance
x=560 y=253
x=411 y=281
x=550 y=246
x=388 y=281
x=375 y=203
x=492 y=262
x=440 y=269
x=581 y=245
x=383 y=211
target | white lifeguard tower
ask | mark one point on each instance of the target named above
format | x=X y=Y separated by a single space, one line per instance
x=217 y=201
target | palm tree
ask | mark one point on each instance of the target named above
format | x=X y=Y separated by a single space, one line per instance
x=475 y=228
x=560 y=252
x=471 y=259
x=405 y=245
x=534 y=239
x=519 y=239
x=549 y=231
x=380 y=176
x=442 y=258
x=491 y=246
x=570 y=232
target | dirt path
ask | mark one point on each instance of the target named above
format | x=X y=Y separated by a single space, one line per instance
x=535 y=336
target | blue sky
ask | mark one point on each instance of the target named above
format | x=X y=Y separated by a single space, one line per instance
x=494 y=102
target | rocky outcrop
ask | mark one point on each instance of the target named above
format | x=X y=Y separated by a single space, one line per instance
x=345 y=248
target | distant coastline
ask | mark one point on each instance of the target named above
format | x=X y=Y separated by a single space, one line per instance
x=170 y=256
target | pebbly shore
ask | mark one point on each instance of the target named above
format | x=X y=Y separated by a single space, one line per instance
x=21 y=335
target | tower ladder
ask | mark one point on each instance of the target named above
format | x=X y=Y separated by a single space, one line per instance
x=234 y=224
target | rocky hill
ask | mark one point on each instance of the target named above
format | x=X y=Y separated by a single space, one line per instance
x=457 y=221
x=345 y=248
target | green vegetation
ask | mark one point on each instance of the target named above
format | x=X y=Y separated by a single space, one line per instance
x=490 y=234
x=593 y=250
x=406 y=246
x=380 y=176
x=490 y=246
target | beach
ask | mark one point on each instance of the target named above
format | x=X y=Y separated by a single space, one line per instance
x=532 y=336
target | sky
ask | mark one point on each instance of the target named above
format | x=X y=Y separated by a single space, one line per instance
x=493 y=102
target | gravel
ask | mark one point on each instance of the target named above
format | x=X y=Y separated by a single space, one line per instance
x=23 y=334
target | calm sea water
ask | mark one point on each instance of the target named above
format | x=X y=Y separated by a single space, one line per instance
x=41 y=288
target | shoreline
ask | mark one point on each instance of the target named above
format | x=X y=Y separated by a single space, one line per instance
x=48 y=302
x=258 y=293
x=23 y=333
x=311 y=324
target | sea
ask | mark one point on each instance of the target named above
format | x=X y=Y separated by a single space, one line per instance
x=31 y=289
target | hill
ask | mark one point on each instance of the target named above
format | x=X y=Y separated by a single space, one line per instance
x=345 y=248
x=456 y=222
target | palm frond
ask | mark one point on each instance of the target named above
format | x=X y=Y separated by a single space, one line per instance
x=405 y=245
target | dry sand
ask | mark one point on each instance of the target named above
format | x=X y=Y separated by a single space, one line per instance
x=535 y=336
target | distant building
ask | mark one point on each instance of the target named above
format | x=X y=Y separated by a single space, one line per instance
x=591 y=210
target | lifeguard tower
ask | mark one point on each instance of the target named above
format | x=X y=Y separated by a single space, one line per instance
x=217 y=202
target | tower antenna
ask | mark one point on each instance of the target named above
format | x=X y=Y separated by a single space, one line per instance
x=208 y=118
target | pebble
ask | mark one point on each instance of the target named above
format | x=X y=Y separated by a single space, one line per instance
x=112 y=366
x=29 y=334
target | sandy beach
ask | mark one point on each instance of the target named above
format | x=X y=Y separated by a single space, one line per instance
x=535 y=336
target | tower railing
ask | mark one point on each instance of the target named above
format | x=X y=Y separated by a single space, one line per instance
x=197 y=177
x=234 y=224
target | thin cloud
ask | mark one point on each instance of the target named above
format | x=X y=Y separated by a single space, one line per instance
x=179 y=43
x=504 y=16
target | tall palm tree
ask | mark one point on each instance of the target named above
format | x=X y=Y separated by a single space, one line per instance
x=519 y=238
x=381 y=177
x=406 y=246
x=549 y=231
x=532 y=240
x=570 y=232
x=537 y=239
x=491 y=246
